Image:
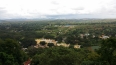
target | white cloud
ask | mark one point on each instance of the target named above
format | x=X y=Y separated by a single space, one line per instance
x=43 y=8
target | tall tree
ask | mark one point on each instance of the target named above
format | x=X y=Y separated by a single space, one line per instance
x=10 y=49
x=108 y=51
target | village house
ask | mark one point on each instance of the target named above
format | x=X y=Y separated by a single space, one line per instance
x=104 y=37
x=67 y=45
x=77 y=46
x=63 y=44
x=47 y=41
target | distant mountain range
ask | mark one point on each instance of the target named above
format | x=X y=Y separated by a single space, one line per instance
x=64 y=16
x=47 y=19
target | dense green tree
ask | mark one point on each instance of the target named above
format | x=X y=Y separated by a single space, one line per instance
x=42 y=43
x=49 y=36
x=6 y=59
x=50 y=44
x=26 y=42
x=107 y=51
x=60 y=56
x=11 y=49
x=33 y=51
x=92 y=59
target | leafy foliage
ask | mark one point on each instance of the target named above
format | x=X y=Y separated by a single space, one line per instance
x=11 y=53
x=59 y=56
x=107 y=51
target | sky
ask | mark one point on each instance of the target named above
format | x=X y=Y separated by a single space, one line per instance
x=57 y=9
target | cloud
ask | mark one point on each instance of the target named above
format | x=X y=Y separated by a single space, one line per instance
x=2 y=10
x=48 y=8
x=54 y=3
x=3 y=13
